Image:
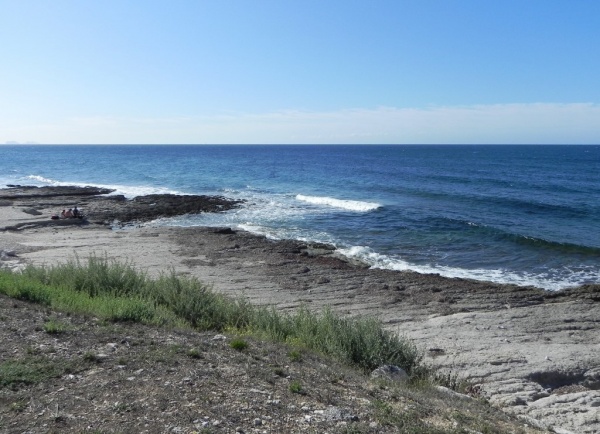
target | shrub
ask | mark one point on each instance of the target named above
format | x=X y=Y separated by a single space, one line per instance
x=54 y=327
x=295 y=355
x=194 y=353
x=238 y=344
x=296 y=387
x=362 y=342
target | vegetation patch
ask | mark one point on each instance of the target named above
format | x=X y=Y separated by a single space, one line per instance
x=132 y=377
x=296 y=387
x=54 y=327
x=238 y=344
x=32 y=370
x=117 y=292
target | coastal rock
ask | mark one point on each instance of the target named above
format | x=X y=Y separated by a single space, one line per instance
x=152 y=207
x=583 y=409
x=32 y=211
x=224 y=231
x=7 y=255
x=101 y=208
x=591 y=378
x=20 y=192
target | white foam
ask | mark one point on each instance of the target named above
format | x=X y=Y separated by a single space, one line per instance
x=128 y=191
x=43 y=180
x=276 y=216
x=350 y=205
x=545 y=281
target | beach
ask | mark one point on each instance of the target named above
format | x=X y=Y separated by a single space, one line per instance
x=532 y=352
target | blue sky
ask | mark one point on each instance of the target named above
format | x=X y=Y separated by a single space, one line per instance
x=306 y=71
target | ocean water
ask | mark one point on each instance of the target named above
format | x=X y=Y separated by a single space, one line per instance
x=528 y=215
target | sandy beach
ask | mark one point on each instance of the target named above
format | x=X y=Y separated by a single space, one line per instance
x=533 y=353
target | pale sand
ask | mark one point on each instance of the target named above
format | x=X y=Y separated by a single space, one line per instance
x=506 y=339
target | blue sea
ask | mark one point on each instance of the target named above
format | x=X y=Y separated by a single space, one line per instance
x=527 y=215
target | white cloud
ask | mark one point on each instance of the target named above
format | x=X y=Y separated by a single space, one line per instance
x=502 y=123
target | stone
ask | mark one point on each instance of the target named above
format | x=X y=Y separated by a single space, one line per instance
x=339 y=414
x=453 y=394
x=224 y=231
x=390 y=373
x=7 y=255
x=32 y=211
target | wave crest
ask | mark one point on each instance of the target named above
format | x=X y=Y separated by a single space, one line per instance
x=350 y=205
x=129 y=191
x=43 y=180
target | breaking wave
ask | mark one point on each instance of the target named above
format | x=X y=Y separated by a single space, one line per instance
x=502 y=276
x=350 y=205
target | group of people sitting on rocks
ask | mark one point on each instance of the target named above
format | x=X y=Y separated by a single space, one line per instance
x=72 y=213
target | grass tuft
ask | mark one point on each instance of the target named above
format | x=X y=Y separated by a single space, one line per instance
x=31 y=370
x=115 y=291
x=296 y=387
x=238 y=344
x=54 y=327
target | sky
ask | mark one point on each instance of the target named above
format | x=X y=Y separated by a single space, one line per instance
x=300 y=71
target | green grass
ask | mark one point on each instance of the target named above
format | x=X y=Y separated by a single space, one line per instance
x=32 y=370
x=238 y=344
x=296 y=387
x=115 y=292
x=54 y=327
x=361 y=342
x=194 y=353
x=295 y=355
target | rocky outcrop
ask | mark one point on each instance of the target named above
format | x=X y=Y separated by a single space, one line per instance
x=30 y=192
x=151 y=207
x=99 y=207
x=10 y=260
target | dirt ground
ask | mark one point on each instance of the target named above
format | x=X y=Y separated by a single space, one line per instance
x=62 y=373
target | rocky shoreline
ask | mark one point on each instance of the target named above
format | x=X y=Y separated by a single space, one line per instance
x=101 y=207
x=533 y=353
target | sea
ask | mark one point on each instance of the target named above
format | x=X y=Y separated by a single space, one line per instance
x=525 y=215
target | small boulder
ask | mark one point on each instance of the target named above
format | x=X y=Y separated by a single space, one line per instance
x=390 y=373
x=31 y=211
x=7 y=255
x=339 y=414
x=224 y=231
